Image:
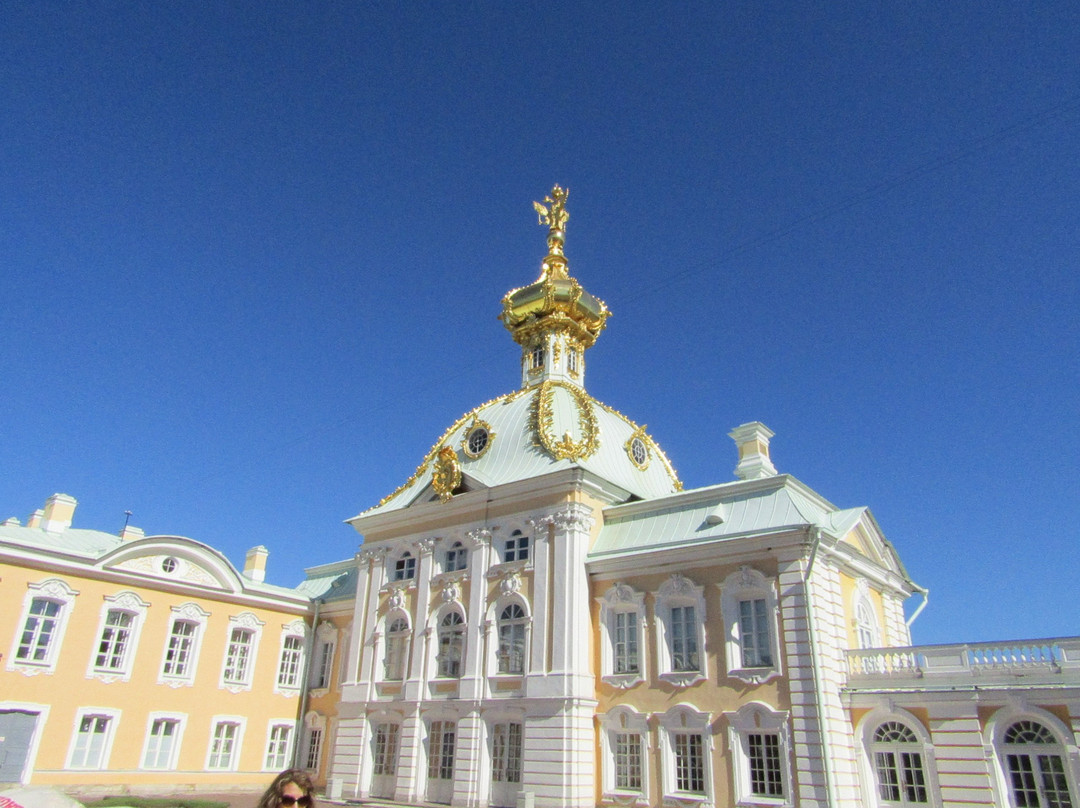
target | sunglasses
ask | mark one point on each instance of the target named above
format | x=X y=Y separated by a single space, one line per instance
x=288 y=799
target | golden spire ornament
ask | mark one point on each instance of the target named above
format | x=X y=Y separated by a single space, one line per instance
x=554 y=216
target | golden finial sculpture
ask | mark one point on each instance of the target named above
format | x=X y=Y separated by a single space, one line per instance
x=555 y=217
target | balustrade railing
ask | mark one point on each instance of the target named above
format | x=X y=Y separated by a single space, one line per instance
x=1015 y=657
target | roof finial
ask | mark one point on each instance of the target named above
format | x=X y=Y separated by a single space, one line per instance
x=555 y=217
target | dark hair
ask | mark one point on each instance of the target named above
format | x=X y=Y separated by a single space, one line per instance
x=271 y=798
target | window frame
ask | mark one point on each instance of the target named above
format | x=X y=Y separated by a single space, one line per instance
x=623 y=720
x=321 y=675
x=864 y=734
x=112 y=719
x=619 y=600
x=276 y=758
x=385 y=756
x=235 y=677
x=290 y=668
x=405 y=567
x=516 y=548
x=127 y=604
x=197 y=617
x=748 y=584
x=679 y=592
x=518 y=623
x=180 y=720
x=459 y=630
x=217 y=723
x=507 y=752
x=456 y=557
x=402 y=638
x=685 y=719
x=753 y=719
x=54 y=591
x=1063 y=747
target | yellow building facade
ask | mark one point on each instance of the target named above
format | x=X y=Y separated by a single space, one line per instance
x=139 y=662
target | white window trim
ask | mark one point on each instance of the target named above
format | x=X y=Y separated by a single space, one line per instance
x=326 y=636
x=494 y=611
x=382 y=645
x=676 y=591
x=297 y=629
x=621 y=598
x=123 y=602
x=862 y=603
x=191 y=613
x=253 y=624
x=685 y=718
x=290 y=723
x=51 y=589
x=750 y=718
x=995 y=748
x=623 y=719
x=110 y=735
x=864 y=733
x=399 y=558
x=314 y=721
x=749 y=584
x=234 y=760
x=174 y=754
x=439 y=615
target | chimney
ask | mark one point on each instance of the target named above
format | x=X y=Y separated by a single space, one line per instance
x=11 y=521
x=753 y=442
x=255 y=563
x=34 y=519
x=59 y=509
x=131 y=533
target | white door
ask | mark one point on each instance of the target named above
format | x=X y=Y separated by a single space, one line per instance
x=384 y=753
x=505 y=750
x=16 y=732
x=441 y=740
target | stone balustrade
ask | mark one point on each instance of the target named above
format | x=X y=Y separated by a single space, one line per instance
x=1054 y=658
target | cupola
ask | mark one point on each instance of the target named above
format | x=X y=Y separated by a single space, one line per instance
x=554 y=319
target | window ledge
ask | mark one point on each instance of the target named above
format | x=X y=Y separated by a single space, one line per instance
x=508 y=567
x=687 y=801
x=682 y=679
x=108 y=677
x=623 y=680
x=31 y=668
x=755 y=676
x=625 y=798
x=236 y=687
x=764 y=802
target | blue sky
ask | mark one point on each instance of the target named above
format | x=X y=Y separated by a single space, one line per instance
x=252 y=256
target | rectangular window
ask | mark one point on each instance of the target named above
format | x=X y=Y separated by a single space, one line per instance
x=291 y=654
x=324 y=659
x=89 y=751
x=314 y=749
x=506 y=753
x=754 y=634
x=766 y=779
x=238 y=656
x=41 y=622
x=441 y=741
x=115 y=636
x=277 y=747
x=626 y=642
x=181 y=645
x=516 y=548
x=223 y=745
x=628 y=761
x=386 y=749
x=161 y=743
x=684 y=650
x=689 y=763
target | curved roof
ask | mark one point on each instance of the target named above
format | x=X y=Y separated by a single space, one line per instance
x=547 y=427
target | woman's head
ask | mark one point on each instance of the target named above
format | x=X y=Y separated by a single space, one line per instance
x=291 y=788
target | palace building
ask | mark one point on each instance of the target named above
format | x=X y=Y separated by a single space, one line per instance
x=542 y=615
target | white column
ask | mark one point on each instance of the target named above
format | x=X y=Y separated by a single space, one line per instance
x=376 y=564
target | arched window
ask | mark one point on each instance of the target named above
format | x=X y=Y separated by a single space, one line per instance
x=457 y=558
x=512 y=623
x=898 y=765
x=397 y=644
x=866 y=628
x=1034 y=762
x=451 y=645
x=405 y=567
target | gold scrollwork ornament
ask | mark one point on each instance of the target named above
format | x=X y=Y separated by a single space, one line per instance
x=446 y=476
